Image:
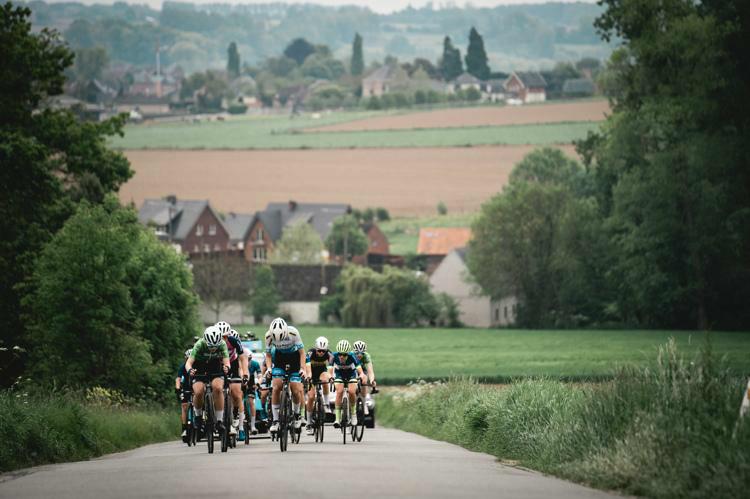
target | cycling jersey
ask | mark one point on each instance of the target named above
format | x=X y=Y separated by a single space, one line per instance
x=364 y=359
x=204 y=354
x=254 y=368
x=319 y=362
x=292 y=343
x=346 y=369
x=234 y=346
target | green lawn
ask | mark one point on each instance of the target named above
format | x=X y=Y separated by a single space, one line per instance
x=403 y=232
x=496 y=354
x=285 y=133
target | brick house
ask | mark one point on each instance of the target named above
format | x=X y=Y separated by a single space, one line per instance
x=378 y=248
x=191 y=226
x=527 y=86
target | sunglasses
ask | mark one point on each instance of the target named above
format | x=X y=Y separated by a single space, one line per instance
x=319 y=350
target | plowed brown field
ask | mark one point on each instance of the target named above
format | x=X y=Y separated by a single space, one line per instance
x=405 y=181
x=479 y=116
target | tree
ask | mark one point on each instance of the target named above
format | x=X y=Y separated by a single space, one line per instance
x=298 y=50
x=299 y=244
x=450 y=64
x=346 y=238
x=233 y=61
x=90 y=62
x=50 y=160
x=219 y=279
x=109 y=304
x=358 y=60
x=264 y=297
x=476 y=57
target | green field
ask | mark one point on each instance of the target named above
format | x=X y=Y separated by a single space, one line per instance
x=285 y=133
x=501 y=354
x=403 y=232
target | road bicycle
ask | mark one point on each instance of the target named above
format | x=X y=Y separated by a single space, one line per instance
x=319 y=411
x=227 y=439
x=345 y=411
x=286 y=417
x=209 y=414
x=192 y=433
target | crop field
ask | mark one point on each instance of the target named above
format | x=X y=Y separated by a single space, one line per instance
x=405 y=181
x=403 y=232
x=484 y=116
x=498 y=355
x=250 y=134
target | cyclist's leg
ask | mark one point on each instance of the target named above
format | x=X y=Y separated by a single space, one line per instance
x=251 y=408
x=352 y=393
x=310 y=402
x=217 y=384
x=276 y=400
x=199 y=388
x=325 y=378
x=339 y=387
x=236 y=393
x=298 y=397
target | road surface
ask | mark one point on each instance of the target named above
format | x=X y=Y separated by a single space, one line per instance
x=395 y=464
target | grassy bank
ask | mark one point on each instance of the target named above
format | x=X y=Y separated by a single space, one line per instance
x=664 y=431
x=500 y=355
x=40 y=429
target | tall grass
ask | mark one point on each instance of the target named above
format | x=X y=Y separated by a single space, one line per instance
x=50 y=428
x=666 y=431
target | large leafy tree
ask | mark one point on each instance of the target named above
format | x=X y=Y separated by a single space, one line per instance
x=346 y=238
x=299 y=244
x=476 y=57
x=450 y=63
x=264 y=296
x=50 y=160
x=298 y=50
x=358 y=59
x=672 y=168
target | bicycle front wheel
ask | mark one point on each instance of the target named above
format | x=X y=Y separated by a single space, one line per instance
x=345 y=416
x=286 y=409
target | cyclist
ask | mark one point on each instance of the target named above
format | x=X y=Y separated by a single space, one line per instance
x=346 y=367
x=284 y=347
x=265 y=380
x=319 y=367
x=183 y=391
x=238 y=369
x=254 y=372
x=209 y=360
x=360 y=352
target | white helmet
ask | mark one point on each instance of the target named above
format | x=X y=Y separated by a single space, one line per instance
x=360 y=346
x=321 y=343
x=212 y=335
x=343 y=346
x=234 y=334
x=224 y=327
x=279 y=329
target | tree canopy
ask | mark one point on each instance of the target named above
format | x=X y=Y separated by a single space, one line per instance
x=450 y=63
x=476 y=57
x=358 y=59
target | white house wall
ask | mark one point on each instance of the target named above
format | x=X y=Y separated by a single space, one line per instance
x=449 y=278
x=235 y=312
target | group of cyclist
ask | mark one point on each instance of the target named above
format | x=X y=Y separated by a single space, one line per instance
x=220 y=355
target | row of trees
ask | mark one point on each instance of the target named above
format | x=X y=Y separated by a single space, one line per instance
x=87 y=296
x=653 y=230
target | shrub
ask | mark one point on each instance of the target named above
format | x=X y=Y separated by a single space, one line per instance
x=442 y=209
x=237 y=108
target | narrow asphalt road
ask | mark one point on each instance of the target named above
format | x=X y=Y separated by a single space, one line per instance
x=386 y=464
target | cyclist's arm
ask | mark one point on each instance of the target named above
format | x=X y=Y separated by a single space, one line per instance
x=308 y=367
x=303 y=360
x=244 y=365
x=269 y=363
x=189 y=363
x=178 y=382
x=371 y=372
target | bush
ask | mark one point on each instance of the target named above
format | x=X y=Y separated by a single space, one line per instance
x=442 y=209
x=237 y=109
x=669 y=430
x=382 y=214
x=39 y=429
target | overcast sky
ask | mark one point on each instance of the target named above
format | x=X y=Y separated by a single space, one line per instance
x=382 y=6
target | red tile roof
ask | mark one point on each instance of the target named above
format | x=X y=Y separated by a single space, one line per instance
x=441 y=241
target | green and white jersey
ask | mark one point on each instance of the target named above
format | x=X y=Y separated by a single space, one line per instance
x=203 y=353
x=364 y=360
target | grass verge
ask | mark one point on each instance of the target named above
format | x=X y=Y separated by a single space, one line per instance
x=41 y=429
x=666 y=431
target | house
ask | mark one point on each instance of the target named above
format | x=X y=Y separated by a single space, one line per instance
x=192 y=227
x=268 y=225
x=452 y=277
x=578 y=87
x=435 y=243
x=528 y=86
x=379 y=82
x=494 y=90
x=378 y=249
x=238 y=225
x=466 y=81
x=301 y=287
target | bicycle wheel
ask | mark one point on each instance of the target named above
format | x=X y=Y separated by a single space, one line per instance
x=284 y=420
x=247 y=401
x=208 y=411
x=227 y=420
x=345 y=416
x=189 y=425
x=360 y=428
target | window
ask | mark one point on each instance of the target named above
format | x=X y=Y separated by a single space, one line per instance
x=198 y=230
x=196 y=249
x=497 y=314
x=207 y=248
x=212 y=230
x=217 y=247
x=240 y=245
x=506 y=312
x=259 y=235
x=259 y=254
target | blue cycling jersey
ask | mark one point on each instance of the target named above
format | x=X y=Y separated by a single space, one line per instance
x=253 y=367
x=349 y=363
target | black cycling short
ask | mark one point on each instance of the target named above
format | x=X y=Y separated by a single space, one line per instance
x=281 y=360
x=185 y=394
x=234 y=369
x=316 y=372
x=207 y=371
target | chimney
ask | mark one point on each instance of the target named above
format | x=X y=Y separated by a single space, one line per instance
x=292 y=205
x=171 y=199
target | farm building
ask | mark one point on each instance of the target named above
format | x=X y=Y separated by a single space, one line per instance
x=452 y=277
x=435 y=243
x=527 y=86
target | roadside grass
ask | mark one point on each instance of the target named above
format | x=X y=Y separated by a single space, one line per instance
x=670 y=430
x=502 y=355
x=403 y=232
x=46 y=428
x=285 y=133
